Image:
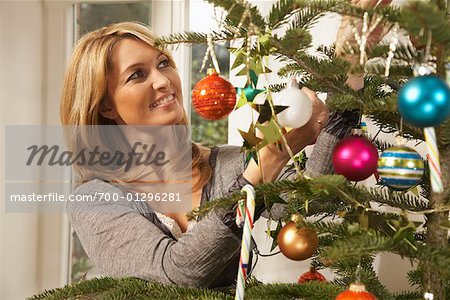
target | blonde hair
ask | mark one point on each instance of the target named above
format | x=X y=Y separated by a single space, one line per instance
x=85 y=89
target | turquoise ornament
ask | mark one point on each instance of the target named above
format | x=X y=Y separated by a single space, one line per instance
x=424 y=101
x=400 y=168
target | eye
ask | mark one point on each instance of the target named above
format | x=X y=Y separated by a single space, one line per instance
x=138 y=74
x=164 y=64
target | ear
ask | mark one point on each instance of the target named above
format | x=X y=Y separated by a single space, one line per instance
x=108 y=111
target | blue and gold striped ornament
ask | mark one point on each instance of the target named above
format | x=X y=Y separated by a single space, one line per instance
x=400 y=167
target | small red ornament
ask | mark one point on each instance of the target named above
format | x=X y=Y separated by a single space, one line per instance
x=213 y=97
x=357 y=291
x=355 y=157
x=311 y=275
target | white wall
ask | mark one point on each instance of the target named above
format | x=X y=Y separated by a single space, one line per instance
x=34 y=250
x=21 y=101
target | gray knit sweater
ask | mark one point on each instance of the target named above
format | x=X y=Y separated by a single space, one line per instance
x=127 y=239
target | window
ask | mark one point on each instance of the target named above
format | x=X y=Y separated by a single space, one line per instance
x=210 y=132
x=164 y=16
x=90 y=16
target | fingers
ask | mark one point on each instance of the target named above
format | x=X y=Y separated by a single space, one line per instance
x=385 y=2
x=372 y=3
x=317 y=103
x=320 y=111
x=310 y=93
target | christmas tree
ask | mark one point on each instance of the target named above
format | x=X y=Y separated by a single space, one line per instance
x=404 y=93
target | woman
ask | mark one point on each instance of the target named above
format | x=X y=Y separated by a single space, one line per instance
x=118 y=77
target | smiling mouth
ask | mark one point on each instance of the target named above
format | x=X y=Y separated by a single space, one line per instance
x=162 y=101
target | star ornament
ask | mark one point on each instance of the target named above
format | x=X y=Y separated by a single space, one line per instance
x=271 y=133
x=274 y=234
x=265 y=113
x=249 y=91
x=250 y=138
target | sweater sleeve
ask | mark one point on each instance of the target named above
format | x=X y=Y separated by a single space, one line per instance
x=122 y=242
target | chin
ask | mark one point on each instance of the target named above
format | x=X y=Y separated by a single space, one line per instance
x=175 y=120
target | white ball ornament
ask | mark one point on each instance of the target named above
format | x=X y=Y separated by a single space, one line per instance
x=299 y=109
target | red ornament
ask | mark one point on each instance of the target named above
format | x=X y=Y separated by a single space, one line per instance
x=355 y=157
x=357 y=291
x=213 y=97
x=311 y=275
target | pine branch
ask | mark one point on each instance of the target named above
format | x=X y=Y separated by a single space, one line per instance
x=400 y=200
x=409 y=296
x=277 y=87
x=347 y=275
x=438 y=257
x=235 y=11
x=342 y=102
x=291 y=70
x=441 y=4
x=305 y=13
x=323 y=185
x=321 y=207
x=378 y=106
x=391 y=121
x=420 y=14
x=193 y=38
x=86 y=287
x=395 y=71
x=443 y=134
x=295 y=39
x=415 y=277
x=128 y=288
x=281 y=11
x=225 y=202
x=389 y=14
x=308 y=290
x=334 y=228
x=328 y=51
x=374 y=242
x=133 y=288
x=320 y=70
x=310 y=12
x=382 y=145
x=406 y=52
x=357 y=246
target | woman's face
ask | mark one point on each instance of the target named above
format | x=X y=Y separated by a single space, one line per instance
x=144 y=88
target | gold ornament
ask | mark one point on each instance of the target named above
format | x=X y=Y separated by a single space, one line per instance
x=297 y=243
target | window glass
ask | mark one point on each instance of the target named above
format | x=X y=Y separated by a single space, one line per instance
x=209 y=132
x=90 y=16
x=204 y=18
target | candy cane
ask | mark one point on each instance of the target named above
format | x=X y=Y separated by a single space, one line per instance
x=246 y=240
x=240 y=210
x=433 y=160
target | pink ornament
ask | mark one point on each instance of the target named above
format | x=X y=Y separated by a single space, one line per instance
x=355 y=157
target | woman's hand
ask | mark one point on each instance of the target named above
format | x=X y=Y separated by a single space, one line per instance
x=272 y=160
x=306 y=135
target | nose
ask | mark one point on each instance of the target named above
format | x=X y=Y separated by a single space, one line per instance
x=160 y=81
